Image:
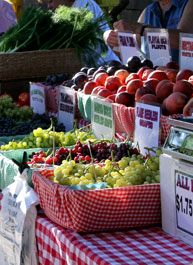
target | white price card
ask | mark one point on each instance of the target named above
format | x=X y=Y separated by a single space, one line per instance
x=184 y=201
x=186 y=51
x=102 y=119
x=128 y=46
x=147 y=126
x=66 y=107
x=158 y=46
x=37 y=98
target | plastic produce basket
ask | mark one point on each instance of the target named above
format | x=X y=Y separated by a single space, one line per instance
x=98 y=210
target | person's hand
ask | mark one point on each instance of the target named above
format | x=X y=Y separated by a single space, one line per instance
x=187 y=108
x=124 y=25
x=111 y=38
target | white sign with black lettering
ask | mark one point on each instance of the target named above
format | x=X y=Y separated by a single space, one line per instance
x=186 y=51
x=158 y=46
x=147 y=126
x=37 y=98
x=102 y=119
x=184 y=201
x=128 y=46
x=66 y=107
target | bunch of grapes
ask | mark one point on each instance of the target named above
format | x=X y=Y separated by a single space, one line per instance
x=10 y=110
x=133 y=170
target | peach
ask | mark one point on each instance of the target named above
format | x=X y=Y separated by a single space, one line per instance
x=184 y=74
x=88 y=87
x=113 y=83
x=149 y=98
x=104 y=93
x=100 y=78
x=158 y=74
x=96 y=90
x=141 y=70
x=142 y=91
x=171 y=74
x=184 y=87
x=146 y=73
x=122 y=74
x=172 y=65
x=163 y=89
x=151 y=83
x=133 y=85
x=175 y=103
x=121 y=89
x=125 y=99
x=132 y=76
x=111 y=98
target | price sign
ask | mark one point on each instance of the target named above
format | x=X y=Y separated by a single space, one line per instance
x=184 y=201
x=147 y=126
x=66 y=107
x=158 y=46
x=102 y=119
x=128 y=46
x=186 y=51
x=37 y=98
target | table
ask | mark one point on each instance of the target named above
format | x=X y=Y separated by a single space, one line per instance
x=58 y=246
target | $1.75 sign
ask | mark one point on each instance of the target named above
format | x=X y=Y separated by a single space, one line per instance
x=184 y=201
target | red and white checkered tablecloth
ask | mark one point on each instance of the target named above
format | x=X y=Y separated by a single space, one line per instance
x=58 y=246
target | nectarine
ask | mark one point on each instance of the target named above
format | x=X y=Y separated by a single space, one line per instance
x=175 y=102
x=184 y=74
x=88 y=87
x=133 y=85
x=100 y=78
x=113 y=83
x=158 y=74
x=149 y=98
x=132 y=76
x=122 y=74
x=163 y=89
x=151 y=83
x=184 y=87
x=104 y=93
x=142 y=91
x=125 y=99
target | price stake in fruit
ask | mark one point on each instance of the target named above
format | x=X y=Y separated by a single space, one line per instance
x=184 y=201
x=66 y=107
x=147 y=126
x=128 y=46
x=102 y=119
x=158 y=46
x=37 y=98
x=186 y=51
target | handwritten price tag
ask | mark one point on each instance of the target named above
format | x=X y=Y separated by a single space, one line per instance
x=184 y=201
x=186 y=51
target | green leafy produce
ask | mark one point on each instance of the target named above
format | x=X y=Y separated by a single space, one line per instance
x=64 y=28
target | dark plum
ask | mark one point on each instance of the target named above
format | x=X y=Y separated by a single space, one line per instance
x=133 y=63
x=91 y=71
x=80 y=79
x=147 y=62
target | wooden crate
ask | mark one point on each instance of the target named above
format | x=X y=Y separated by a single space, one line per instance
x=35 y=64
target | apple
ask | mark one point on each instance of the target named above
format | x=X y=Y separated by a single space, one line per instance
x=142 y=91
x=125 y=99
x=133 y=85
x=163 y=89
x=88 y=87
x=113 y=83
x=122 y=74
x=151 y=83
x=184 y=87
x=158 y=74
x=104 y=93
x=184 y=74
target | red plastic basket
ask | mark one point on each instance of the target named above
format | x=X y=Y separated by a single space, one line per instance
x=98 y=210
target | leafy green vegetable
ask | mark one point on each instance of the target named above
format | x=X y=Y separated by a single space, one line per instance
x=65 y=28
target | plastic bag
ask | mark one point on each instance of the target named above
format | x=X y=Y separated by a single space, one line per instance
x=17 y=223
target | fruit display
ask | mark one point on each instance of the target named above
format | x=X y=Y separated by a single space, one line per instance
x=133 y=170
x=139 y=81
x=86 y=153
x=9 y=109
x=8 y=127
x=44 y=138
